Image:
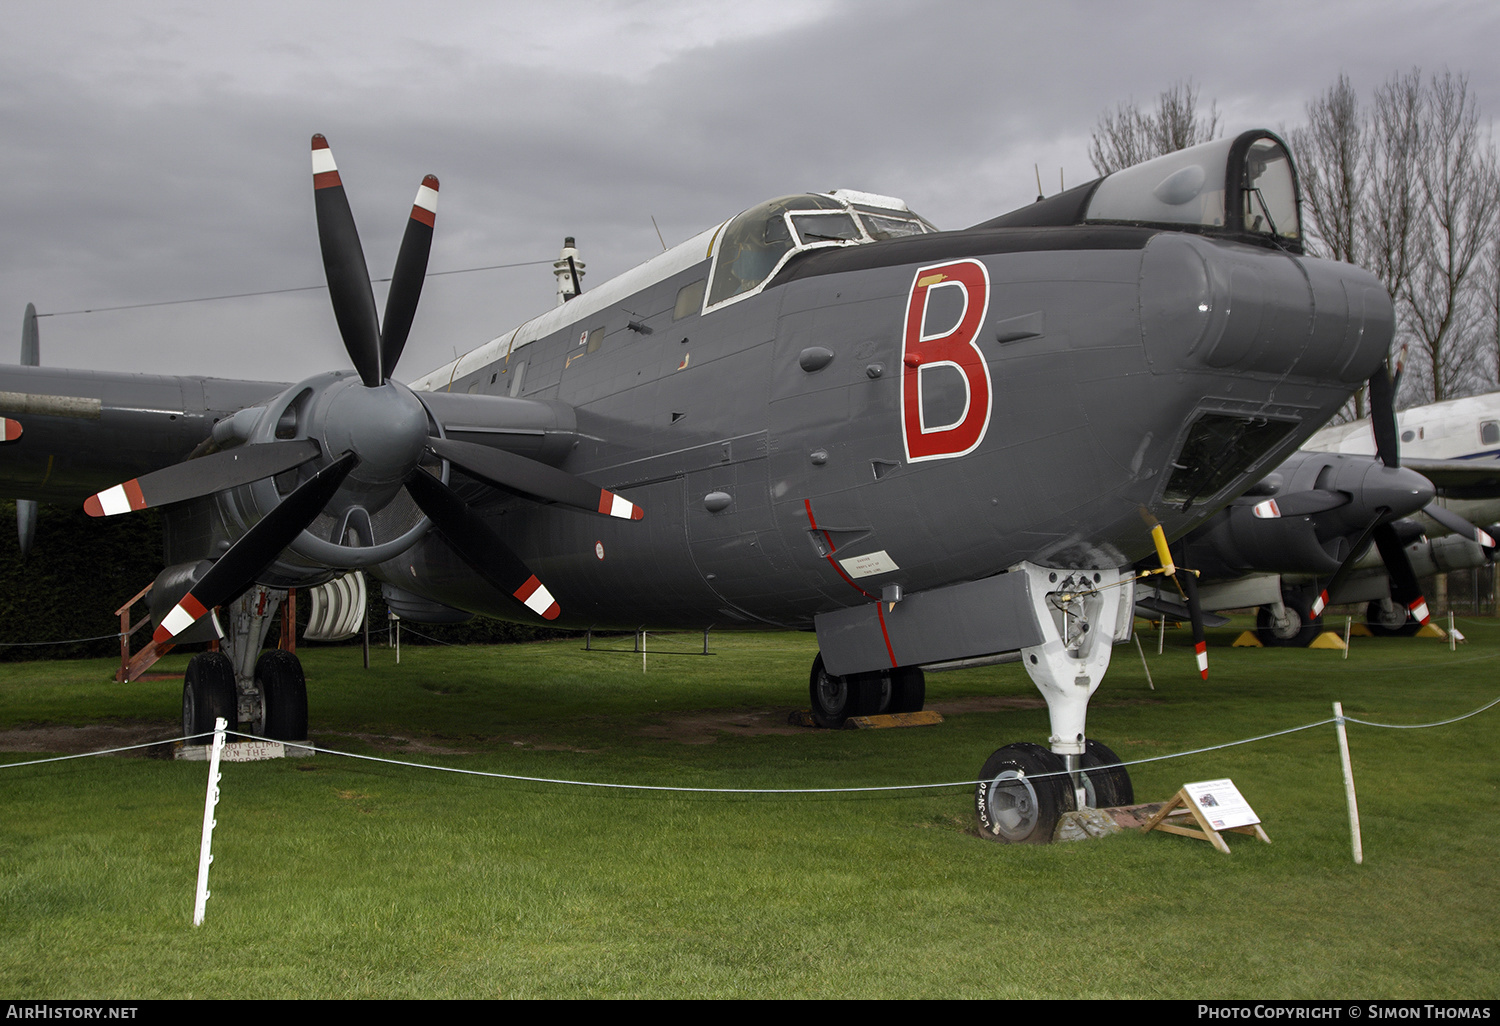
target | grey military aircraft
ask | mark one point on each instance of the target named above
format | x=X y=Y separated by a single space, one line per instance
x=933 y=448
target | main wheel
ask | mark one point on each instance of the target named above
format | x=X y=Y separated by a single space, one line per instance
x=835 y=699
x=908 y=689
x=283 y=691
x=1107 y=788
x=1390 y=623
x=1015 y=805
x=208 y=693
x=1292 y=633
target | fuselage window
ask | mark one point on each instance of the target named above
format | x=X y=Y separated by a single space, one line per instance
x=596 y=339
x=1489 y=432
x=689 y=299
x=517 y=379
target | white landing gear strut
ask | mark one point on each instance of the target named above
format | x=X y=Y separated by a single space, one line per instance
x=1081 y=613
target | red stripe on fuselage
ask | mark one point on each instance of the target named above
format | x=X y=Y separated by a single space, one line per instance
x=829 y=556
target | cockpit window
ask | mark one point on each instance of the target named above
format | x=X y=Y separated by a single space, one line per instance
x=756 y=244
x=1244 y=186
x=1270 y=194
x=883 y=226
x=838 y=227
x=1185 y=187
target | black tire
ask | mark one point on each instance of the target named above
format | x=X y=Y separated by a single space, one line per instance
x=1109 y=788
x=283 y=694
x=1013 y=804
x=208 y=693
x=835 y=699
x=1297 y=634
x=1383 y=625
x=908 y=689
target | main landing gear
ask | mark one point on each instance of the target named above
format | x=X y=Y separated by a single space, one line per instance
x=836 y=699
x=1282 y=625
x=261 y=693
x=1387 y=619
x=1025 y=788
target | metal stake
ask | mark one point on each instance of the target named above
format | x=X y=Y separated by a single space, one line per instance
x=1142 y=651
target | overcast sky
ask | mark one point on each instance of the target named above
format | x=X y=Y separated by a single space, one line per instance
x=159 y=151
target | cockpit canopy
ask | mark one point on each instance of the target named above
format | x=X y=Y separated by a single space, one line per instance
x=757 y=243
x=1244 y=187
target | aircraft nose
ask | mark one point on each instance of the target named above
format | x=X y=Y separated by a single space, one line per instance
x=1398 y=489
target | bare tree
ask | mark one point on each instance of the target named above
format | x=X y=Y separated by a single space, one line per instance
x=1388 y=219
x=1332 y=156
x=1492 y=309
x=1127 y=135
x=1458 y=191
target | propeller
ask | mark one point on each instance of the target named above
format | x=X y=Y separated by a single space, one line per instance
x=1405 y=588
x=1187 y=584
x=10 y=430
x=357 y=444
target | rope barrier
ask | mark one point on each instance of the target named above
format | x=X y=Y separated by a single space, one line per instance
x=764 y=790
x=66 y=641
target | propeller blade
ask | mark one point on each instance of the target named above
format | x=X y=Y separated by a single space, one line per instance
x=1347 y=566
x=238 y=568
x=1188 y=582
x=1405 y=588
x=10 y=431
x=202 y=476
x=478 y=545
x=1458 y=525
x=1300 y=504
x=1383 y=416
x=518 y=473
x=344 y=265
x=410 y=273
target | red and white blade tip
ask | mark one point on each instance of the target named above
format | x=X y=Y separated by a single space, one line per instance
x=1267 y=510
x=1319 y=604
x=325 y=171
x=1480 y=535
x=183 y=615
x=12 y=430
x=424 y=207
x=122 y=498
x=1419 y=611
x=611 y=505
x=535 y=597
x=1202 y=649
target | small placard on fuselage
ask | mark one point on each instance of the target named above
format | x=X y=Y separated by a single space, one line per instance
x=868 y=565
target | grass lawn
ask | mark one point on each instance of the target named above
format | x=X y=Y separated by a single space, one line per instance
x=340 y=878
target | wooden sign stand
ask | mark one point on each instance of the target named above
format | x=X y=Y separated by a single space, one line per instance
x=1175 y=814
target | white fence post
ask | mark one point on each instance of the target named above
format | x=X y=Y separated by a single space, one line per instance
x=1359 y=848
x=205 y=849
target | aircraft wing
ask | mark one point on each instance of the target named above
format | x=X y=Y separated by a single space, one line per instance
x=82 y=431
x=1460 y=479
